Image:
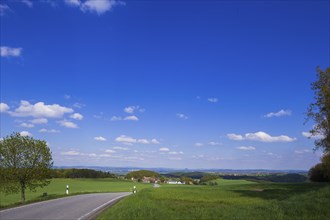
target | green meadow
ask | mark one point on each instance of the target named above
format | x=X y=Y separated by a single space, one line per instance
x=57 y=189
x=230 y=199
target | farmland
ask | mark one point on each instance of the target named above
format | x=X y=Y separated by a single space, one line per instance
x=230 y=199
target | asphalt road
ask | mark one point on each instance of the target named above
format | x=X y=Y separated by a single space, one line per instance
x=78 y=207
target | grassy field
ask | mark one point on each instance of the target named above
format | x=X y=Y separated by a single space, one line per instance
x=230 y=199
x=57 y=188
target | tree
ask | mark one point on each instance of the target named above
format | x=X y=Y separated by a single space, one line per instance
x=24 y=163
x=319 y=111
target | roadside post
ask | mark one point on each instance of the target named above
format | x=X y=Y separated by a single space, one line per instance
x=67 y=189
x=134 y=190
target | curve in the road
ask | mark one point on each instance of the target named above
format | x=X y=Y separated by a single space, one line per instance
x=73 y=207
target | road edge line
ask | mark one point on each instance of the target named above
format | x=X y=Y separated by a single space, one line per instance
x=101 y=206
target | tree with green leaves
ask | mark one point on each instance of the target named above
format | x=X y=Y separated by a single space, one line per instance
x=25 y=163
x=319 y=111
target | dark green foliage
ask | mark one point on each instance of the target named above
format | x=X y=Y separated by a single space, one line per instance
x=321 y=171
x=208 y=177
x=187 y=180
x=81 y=173
x=319 y=111
x=286 y=178
x=193 y=175
x=24 y=163
x=142 y=173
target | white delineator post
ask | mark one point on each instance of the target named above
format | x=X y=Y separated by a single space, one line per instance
x=67 y=189
x=134 y=189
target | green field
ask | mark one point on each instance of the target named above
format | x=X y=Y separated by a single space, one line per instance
x=57 y=188
x=230 y=199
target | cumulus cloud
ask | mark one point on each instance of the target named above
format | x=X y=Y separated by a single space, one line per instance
x=39 y=121
x=120 y=148
x=44 y=130
x=100 y=138
x=213 y=100
x=67 y=124
x=212 y=143
x=129 y=140
x=131 y=118
x=94 y=6
x=199 y=144
x=10 y=51
x=25 y=133
x=164 y=149
x=132 y=109
x=175 y=152
x=40 y=110
x=246 y=148
x=26 y=125
x=278 y=114
x=4 y=107
x=182 y=116
x=77 y=116
x=261 y=136
x=71 y=153
x=110 y=151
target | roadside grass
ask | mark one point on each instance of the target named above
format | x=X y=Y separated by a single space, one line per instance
x=226 y=201
x=57 y=187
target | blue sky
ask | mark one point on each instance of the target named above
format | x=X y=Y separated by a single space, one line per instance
x=178 y=84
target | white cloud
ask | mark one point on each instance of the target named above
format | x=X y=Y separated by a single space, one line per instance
x=143 y=141
x=182 y=116
x=164 y=149
x=100 y=138
x=246 y=148
x=125 y=139
x=309 y=135
x=302 y=151
x=131 y=118
x=25 y=133
x=214 y=100
x=129 y=140
x=78 y=105
x=3 y=9
x=278 y=114
x=175 y=152
x=67 y=124
x=26 y=125
x=212 y=143
x=120 y=148
x=77 y=116
x=235 y=137
x=199 y=144
x=110 y=151
x=40 y=110
x=94 y=6
x=261 y=136
x=10 y=51
x=71 y=153
x=4 y=107
x=132 y=109
x=39 y=121
x=154 y=141
x=44 y=130
x=27 y=3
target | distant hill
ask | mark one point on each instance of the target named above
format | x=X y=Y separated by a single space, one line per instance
x=142 y=173
x=285 y=178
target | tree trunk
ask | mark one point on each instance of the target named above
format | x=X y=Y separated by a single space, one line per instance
x=23 y=192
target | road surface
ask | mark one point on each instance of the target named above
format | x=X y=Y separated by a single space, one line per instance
x=78 y=207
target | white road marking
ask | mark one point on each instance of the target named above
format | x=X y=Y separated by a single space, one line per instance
x=101 y=206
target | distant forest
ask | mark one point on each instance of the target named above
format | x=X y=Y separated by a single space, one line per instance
x=80 y=173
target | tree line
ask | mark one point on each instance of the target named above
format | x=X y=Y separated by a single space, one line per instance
x=80 y=173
